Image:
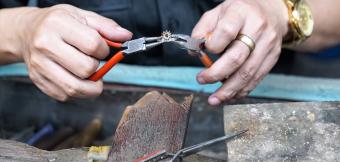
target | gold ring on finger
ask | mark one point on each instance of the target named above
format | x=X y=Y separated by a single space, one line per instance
x=249 y=42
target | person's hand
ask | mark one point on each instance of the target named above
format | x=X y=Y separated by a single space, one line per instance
x=61 y=46
x=265 y=22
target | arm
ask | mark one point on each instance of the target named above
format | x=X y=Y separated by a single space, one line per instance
x=61 y=46
x=326 y=32
x=10 y=23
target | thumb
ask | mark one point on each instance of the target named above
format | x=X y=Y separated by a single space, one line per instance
x=107 y=27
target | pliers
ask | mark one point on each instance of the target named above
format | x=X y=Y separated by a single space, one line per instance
x=162 y=155
x=129 y=47
x=194 y=46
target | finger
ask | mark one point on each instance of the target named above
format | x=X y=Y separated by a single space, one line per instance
x=227 y=28
x=233 y=58
x=83 y=37
x=229 y=62
x=47 y=87
x=107 y=27
x=73 y=60
x=242 y=76
x=267 y=65
x=70 y=84
x=206 y=24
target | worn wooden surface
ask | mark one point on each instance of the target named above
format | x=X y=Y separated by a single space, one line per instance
x=11 y=151
x=285 y=132
x=155 y=122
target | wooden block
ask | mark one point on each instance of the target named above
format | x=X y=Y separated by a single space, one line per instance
x=11 y=151
x=155 y=122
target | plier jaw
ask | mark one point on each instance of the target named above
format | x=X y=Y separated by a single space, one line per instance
x=186 y=42
x=193 y=46
x=141 y=44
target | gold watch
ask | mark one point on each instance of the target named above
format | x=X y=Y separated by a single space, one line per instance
x=301 y=22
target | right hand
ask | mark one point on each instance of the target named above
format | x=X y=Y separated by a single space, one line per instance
x=62 y=46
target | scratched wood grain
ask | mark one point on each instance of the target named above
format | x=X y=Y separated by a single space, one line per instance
x=11 y=151
x=155 y=122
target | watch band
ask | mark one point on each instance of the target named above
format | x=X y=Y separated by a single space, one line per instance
x=295 y=35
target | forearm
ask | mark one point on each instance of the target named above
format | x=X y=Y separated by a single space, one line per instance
x=326 y=32
x=11 y=27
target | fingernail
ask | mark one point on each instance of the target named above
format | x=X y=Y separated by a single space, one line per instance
x=120 y=29
x=214 y=101
x=201 y=80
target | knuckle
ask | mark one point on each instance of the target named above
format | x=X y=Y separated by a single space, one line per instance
x=87 y=69
x=53 y=16
x=272 y=37
x=226 y=95
x=246 y=75
x=235 y=60
x=213 y=47
x=99 y=90
x=214 y=76
x=62 y=6
x=261 y=23
x=40 y=41
x=72 y=90
x=93 y=43
x=228 y=30
x=35 y=62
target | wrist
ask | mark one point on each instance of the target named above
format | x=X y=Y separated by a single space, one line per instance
x=283 y=10
x=13 y=24
x=301 y=22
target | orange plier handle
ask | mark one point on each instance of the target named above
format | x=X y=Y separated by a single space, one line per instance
x=205 y=59
x=130 y=47
x=115 y=59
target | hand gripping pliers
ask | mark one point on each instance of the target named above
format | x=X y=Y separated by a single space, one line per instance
x=129 y=47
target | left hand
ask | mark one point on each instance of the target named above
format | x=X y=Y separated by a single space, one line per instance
x=266 y=22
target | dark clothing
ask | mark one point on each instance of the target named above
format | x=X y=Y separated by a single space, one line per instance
x=150 y=18
x=144 y=18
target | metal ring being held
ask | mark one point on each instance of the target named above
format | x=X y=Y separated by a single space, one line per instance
x=247 y=41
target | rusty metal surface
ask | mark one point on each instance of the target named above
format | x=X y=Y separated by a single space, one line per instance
x=155 y=122
x=285 y=132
